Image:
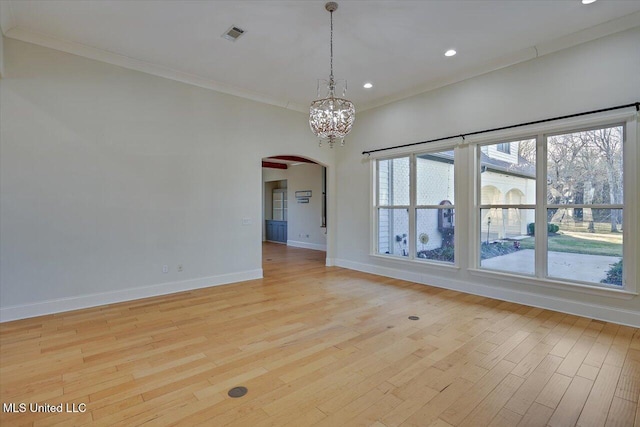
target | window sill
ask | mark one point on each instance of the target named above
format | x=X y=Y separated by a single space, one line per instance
x=555 y=284
x=407 y=261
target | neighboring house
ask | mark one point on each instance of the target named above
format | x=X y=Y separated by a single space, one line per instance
x=506 y=179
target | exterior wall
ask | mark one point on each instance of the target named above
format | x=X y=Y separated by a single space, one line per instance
x=511 y=157
x=393 y=180
x=434 y=184
x=500 y=188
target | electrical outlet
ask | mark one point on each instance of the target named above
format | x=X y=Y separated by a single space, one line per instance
x=165 y=268
x=180 y=268
x=246 y=221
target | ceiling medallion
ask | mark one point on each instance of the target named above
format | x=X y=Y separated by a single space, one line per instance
x=331 y=118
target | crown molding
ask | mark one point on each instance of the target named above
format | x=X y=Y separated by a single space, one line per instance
x=101 y=55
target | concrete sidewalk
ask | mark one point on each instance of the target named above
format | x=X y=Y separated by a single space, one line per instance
x=585 y=268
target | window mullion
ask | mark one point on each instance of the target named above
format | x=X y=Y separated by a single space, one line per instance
x=541 y=208
x=477 y=240
x=412 y=207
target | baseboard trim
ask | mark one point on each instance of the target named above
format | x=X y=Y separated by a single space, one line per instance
x=60 y=305
x=305 y=245
x=563 y=305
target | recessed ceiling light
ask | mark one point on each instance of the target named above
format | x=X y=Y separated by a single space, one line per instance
x=450 y=52
x=367 y=85
x=588 y=1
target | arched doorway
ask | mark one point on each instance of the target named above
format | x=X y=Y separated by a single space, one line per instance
x=295 y=207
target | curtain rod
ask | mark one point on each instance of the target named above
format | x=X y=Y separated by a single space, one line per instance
x=635 y=104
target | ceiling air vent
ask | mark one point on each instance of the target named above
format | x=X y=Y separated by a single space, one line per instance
x=233 y=33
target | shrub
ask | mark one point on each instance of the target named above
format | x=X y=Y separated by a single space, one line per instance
x=551 y=228
x=445 y=253
x=490 y=250
x=531 y=229
x=614 y=275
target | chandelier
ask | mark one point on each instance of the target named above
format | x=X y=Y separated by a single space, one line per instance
x=331 y=118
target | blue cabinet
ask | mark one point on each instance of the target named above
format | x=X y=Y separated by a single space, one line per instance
x=277 y=231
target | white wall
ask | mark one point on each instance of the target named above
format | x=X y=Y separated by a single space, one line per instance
x=304 y=228
x=108 y=174
x=594 y=75
x=304 y=219
x=1 y=55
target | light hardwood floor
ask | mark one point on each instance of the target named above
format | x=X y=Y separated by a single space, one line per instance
x=321 y=346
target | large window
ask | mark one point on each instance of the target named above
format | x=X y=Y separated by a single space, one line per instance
x=552 y=205
x=561 y=220
x=415 y=207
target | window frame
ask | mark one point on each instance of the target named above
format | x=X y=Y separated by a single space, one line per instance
x=466 y=163
x=629 y=122
x=412 y=208
x=543 y=265
x=478 y=206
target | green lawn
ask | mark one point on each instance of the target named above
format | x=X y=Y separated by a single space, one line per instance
x=564 y=243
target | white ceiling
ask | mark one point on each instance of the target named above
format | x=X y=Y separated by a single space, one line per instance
x=396 y=45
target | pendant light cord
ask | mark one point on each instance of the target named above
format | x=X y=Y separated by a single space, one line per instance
x=331 y=74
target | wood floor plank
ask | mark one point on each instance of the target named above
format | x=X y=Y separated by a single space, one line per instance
x=572 y=403
x=430 y=411
x=536 y=416
x=464 y=405
x=621 y=413
x=587 y=371
x=629 y=385
x=505 y=418
x=576 y=355
x=552 y=393
x=485 y=412
x=598 y=403
x=531 y=388
x=319 y=345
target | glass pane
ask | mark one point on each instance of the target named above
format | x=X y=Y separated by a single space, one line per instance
x=505 y=244
x=508 y=173
x=434 y=178
x=585 y=167
x=586 y=248
x=435 y=234
x=393 y=232
x=393 y=182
